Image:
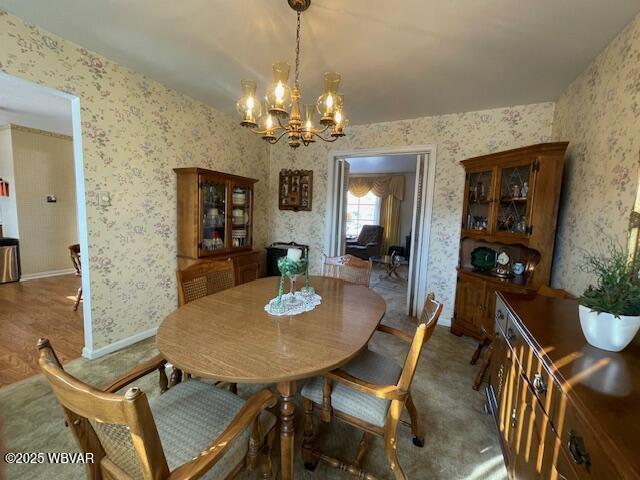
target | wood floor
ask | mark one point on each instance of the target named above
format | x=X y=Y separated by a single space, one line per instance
x=33 y=309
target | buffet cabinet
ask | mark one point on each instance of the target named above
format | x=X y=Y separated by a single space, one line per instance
x=563 y=409
x=215 y=220
x=510 y=206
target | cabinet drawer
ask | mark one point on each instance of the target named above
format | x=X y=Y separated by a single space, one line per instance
x=543 y=387
x=581 y=447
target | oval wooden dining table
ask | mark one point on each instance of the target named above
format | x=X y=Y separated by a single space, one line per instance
x=229 y=337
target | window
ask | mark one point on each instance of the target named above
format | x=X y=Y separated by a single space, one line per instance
x=362 y=211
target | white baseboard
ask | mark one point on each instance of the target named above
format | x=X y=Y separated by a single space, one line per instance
x=52 y=273
x=90 y=353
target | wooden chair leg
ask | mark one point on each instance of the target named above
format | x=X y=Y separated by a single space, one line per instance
x=325 y=412
x=267 y=466
x=78 y=298
x=476 y=355
x=255 y=445
x=363 y=446
x=390 y=440
x=418 y=438
x=310 y=460
x=483 y=369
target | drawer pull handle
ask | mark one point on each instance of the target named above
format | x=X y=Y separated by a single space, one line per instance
x=500 y=315
x=538 y=384
x=578 y=450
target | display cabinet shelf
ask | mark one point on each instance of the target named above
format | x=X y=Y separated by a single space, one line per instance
x=215 y=220
x=510 y=205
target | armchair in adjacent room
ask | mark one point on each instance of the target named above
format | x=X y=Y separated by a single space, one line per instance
x=368 y=244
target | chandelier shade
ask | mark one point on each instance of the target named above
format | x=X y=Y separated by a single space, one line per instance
x=248 y=105
x=280 y=115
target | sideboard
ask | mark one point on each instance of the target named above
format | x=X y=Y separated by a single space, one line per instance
x=563 y=409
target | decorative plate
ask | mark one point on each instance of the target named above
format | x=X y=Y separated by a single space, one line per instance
x=483 y=259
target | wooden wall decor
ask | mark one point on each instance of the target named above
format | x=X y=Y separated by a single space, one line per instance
x=296 y=190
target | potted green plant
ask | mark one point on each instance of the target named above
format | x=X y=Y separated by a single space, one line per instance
x=610 y=310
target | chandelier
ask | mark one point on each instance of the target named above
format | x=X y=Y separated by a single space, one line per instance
x=280 y=113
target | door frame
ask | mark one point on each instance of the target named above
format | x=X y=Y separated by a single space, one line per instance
x=429 y=150
x=81 y=204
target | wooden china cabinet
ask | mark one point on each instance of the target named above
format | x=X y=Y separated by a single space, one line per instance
x=215 y=220
x=510 y=205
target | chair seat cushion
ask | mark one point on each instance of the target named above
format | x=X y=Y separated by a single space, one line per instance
x=369 y=366
x=191 y=415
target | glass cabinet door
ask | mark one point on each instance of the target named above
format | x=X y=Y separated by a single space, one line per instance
x=241 y=216
x=514 y=196
x=479 y=200
x=214 y=212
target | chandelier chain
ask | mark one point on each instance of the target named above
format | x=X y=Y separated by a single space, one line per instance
x=297 y=74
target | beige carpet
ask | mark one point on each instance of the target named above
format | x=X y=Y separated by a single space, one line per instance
x=460 y=440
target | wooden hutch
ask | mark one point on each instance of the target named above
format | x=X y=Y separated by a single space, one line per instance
x=510 y=205
x=215 y=220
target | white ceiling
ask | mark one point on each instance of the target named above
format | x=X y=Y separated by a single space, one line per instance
x=398 y=59
x=383 y=164
x=31 y=105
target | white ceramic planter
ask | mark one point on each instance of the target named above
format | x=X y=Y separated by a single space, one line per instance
x=605 y=331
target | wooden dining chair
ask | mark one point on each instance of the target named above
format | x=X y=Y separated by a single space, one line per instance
x=191 y=430
x=205 y=278
x=349 y=268
x=544 y=291
x=74 y=253
x=369 y=393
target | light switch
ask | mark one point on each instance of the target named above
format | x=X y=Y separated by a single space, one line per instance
x=104 y=199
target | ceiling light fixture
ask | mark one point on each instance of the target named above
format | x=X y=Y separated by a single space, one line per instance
x=281 y=115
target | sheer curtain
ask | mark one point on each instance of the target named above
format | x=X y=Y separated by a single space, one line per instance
x=389 y=188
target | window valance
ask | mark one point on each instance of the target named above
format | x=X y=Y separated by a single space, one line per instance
x=382 y=186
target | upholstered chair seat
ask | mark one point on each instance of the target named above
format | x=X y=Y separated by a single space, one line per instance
x=191 y=430
x=369 y=366
x=369 y=393
x=187 y=417
x=190 y=414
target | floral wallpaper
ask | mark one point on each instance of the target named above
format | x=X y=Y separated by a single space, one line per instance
x=134 y=131
x=600 y=114
x=457 y=136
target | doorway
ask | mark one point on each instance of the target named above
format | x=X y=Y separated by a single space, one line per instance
x=350 y=174
x=42 y=210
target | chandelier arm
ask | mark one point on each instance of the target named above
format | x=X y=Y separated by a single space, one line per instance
x=276 y=140
x=318 y=131
x=333 y=139
x=262 y=132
